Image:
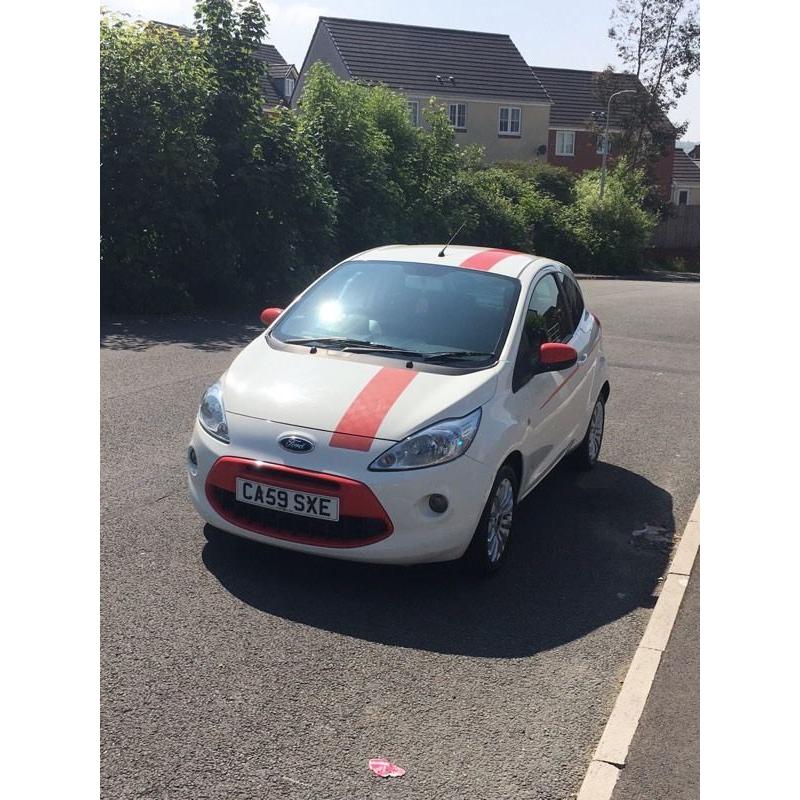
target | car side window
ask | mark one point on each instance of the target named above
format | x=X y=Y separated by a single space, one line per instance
x=547 y=319
x=574 y=299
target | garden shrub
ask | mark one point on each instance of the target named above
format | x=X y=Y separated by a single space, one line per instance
x=207 y=201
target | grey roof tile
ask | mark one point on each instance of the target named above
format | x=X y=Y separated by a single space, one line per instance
x=575 y=94
x=410 y=57
x=685 y=169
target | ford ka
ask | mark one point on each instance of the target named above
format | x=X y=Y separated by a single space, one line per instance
x=400 y=408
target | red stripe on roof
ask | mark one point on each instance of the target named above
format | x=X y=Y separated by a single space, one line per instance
x=486 y=259
x=359 y=424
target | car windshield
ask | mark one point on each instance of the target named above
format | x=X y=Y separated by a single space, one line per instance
x=450 y=315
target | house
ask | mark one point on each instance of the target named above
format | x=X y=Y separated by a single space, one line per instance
x=577 y=114
x=685 y=180
x=491 y=96
x=279 y=78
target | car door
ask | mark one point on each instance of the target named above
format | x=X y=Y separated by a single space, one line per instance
x=546 y=402
x=583 y=338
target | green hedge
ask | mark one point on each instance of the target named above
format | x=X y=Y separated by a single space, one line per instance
x=207 y=202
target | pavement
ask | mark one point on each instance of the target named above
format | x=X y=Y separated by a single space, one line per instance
x=230 y=669
x=664 y=759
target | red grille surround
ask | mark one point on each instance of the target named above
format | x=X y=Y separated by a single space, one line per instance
x=362 y=519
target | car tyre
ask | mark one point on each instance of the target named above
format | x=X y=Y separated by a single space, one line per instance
x=488 y=550
x=587 y=453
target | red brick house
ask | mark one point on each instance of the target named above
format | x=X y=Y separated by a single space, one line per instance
x=573 y=141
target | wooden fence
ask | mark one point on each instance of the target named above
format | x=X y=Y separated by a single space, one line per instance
x=679 y=231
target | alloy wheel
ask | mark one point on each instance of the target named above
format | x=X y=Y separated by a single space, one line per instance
x=501 y=516
x=596 y=430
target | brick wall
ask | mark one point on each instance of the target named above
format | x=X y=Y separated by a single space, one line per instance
x=587 y=157
x=663 y=172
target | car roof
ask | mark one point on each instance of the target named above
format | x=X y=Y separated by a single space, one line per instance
x=504 y=262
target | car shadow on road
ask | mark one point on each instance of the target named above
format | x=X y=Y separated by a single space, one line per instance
x=574 y=567
x=197 y=333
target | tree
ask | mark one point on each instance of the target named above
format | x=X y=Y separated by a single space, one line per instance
x=354 y=152
x=295 y=206
x=157 y=165
x=658 y=41
x=608 y=235
x=210 y=201
x=206 y=200
x=228 y=38
x=387 y=173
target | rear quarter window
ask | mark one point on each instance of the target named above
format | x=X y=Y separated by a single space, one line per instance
x=574 y=299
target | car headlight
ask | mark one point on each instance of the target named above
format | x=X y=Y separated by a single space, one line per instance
x=212 y=413
x=437 y=444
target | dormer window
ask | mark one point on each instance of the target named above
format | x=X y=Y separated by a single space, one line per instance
x=288 y=87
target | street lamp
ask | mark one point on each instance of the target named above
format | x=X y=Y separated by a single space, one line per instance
x=605 y=138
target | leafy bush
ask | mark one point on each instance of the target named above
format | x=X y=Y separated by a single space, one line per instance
x=610 y=234
x=208 y=201
x=205 y=200
x=556 y=182
x=158 y=164
x=501 y=209
x=360 y=135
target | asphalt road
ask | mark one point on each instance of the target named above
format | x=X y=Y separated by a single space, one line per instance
x=236 y=670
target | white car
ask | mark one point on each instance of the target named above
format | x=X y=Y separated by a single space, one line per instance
x=400 y=408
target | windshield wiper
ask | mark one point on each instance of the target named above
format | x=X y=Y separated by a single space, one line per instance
x=363 y=346
x=326 y=341
x=382 y=348
x=454 y=355
x=354 y=345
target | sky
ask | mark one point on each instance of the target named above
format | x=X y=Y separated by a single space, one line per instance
x=549 y=34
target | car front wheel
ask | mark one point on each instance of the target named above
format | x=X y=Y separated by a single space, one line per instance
x=489 y=546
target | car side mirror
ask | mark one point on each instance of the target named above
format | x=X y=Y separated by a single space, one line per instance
x=554 y=356
x=269 y=315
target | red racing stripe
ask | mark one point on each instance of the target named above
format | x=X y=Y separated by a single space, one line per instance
x=359 y=424
x=486 y=259
x=559 y=387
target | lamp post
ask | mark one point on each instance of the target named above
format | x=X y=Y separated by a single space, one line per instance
x=605 y=138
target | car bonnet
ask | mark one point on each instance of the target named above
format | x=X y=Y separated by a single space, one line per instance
x=356 y=399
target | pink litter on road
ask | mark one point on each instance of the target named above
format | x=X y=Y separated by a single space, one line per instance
x=385 y=769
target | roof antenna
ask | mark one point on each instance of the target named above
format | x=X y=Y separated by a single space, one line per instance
x=441 y=252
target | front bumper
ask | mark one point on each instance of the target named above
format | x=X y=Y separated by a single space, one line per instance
x=384 y=517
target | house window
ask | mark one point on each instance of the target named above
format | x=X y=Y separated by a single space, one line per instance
x=413 y=112
x=683 y=197
x=288 y=87
x=509 y=121
x=565 y=143
x=600 y=139
x=458 y=115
